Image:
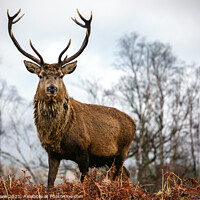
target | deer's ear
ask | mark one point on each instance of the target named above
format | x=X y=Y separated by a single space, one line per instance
x=69 y=68
x=32 y=67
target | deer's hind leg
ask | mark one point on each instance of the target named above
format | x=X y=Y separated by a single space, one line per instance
x=83 y=163
x=118 y=166
x=125 y=174
x=119 y=171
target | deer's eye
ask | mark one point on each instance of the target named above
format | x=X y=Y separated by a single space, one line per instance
x=40 y=76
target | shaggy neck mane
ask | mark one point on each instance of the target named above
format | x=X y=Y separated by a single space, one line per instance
x=51 y=118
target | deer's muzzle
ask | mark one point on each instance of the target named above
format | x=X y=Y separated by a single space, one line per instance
x=51 y=90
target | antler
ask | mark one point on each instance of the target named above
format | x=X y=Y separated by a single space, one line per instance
x=84 y=44
x=10 y=23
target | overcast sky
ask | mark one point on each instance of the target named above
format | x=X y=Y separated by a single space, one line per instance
x=48 y=24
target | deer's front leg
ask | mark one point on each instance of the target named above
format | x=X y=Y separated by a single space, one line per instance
x=53 y=169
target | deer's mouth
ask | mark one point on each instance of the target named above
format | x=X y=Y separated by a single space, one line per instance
x=51 y=94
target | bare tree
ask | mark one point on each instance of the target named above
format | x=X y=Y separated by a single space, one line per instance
x=7 y=97
x=155 y=90
x=193 y=97
x=97 y=94
x=16 y=131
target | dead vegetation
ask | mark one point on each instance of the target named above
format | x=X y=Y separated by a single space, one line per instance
x=97 y=185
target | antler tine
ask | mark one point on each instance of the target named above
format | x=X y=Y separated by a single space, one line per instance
x=74 y=19
x=86 y=21
x=14 y=16
x=85 y=42
x=61 y=54
x=41 y=59
x=10 y=23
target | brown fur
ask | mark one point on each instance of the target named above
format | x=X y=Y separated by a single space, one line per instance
x=90 y=135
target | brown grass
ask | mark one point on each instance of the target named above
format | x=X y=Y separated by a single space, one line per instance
x=97 y=185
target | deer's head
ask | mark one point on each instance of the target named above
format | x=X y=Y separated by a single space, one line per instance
x=50 y=84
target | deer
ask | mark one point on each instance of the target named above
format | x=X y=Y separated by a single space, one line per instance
x=90 y=135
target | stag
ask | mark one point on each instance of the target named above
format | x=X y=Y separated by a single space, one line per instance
x=90 y=135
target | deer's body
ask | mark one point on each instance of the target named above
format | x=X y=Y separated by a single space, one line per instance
x=90 y=135
x=102 y=131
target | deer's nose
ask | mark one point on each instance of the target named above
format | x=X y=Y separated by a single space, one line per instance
x=52 y=89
